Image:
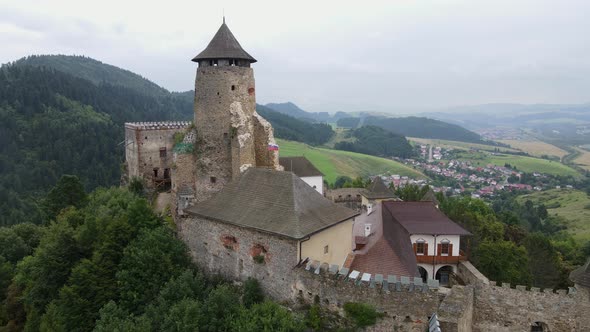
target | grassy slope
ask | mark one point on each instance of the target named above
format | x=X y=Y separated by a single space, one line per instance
x=334 y=162
x=523 y=163
x=572 y=207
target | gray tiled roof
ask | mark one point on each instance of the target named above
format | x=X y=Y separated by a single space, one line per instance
x=224 y=46
x=274 y=202
x=300 y=166
x=581 y=276
x=378 y=190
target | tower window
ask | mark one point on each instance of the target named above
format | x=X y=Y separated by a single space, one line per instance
x=326 y=249
x=213 y=179
x=233 y=87
x=155 y=172
x=163 y=152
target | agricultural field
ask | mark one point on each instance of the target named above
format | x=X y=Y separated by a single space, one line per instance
x=570 y=204
x=583 y=159
x=334 y=163
x=459 y=145
x=535 y=148
x=522 y=163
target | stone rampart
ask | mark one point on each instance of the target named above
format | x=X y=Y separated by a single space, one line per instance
x=502 y=308
x=470 y=275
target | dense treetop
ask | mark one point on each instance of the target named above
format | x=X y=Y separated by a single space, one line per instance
x=376 y=141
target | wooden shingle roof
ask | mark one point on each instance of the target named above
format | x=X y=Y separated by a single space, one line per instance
x=274 y=202
x=224 y=46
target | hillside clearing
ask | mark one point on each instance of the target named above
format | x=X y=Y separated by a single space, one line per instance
x=572 y=205
x=459 y=145
x=334 y=162
x=583 y=159
x=536 y=148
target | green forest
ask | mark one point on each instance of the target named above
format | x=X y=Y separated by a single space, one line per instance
x=292 y=129
x=52 y=123
x=424 y=128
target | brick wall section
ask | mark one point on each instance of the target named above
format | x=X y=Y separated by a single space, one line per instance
x=506 y=309
x=205 y=241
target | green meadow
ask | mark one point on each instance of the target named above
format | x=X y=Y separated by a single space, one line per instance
x=335 y=162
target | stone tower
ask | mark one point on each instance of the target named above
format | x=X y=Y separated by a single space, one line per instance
x=231 y=136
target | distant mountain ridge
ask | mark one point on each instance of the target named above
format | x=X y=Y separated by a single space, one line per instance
x=412 y=126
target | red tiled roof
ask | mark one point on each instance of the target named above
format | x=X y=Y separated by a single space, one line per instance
x=423 y=218
x=381 y=259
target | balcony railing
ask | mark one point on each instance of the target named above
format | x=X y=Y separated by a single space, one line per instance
x=425 y=259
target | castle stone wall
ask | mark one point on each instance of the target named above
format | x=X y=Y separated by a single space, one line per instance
x=506 y=309
x=470 y=274
x=455 y=313
x=213 y=249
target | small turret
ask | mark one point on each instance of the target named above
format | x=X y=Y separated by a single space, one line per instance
x=224 y=50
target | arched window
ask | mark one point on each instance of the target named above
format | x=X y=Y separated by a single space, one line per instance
x=421 y=247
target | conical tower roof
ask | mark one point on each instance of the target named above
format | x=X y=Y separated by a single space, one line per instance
x=223 y=46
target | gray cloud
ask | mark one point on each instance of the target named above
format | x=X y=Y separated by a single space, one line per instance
x=397 y=56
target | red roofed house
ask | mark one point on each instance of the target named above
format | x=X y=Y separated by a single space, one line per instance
x=434 y=237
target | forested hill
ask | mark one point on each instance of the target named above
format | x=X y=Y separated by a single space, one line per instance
x=94 y=71
x=424 y=128
x=53 y=123
x=290 y=128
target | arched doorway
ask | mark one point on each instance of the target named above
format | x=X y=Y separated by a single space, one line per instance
x=443 y=274
x=423 y=273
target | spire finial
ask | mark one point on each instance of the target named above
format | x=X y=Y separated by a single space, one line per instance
x=223 y=11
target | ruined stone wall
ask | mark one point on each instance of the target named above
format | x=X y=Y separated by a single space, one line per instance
x=224 y=103
x=506 y=309
x=238 y=253
x=143 y=144
x=263 y=136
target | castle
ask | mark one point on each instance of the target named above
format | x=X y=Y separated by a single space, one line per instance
x=242 y=215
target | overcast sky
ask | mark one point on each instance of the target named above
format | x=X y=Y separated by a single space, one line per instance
x=397 y=55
